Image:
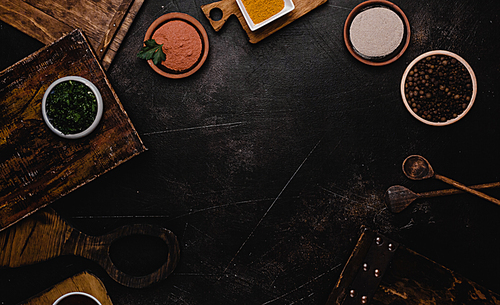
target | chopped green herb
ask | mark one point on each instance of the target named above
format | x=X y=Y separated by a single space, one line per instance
x=152 y=50
x=71 y=107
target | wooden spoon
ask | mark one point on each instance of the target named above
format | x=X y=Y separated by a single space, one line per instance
x=417 y=167
x=398 y=197
x=45 y=235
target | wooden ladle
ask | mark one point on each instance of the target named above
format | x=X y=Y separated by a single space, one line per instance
x=398 y=197
x=45 y=235
x=417 y=167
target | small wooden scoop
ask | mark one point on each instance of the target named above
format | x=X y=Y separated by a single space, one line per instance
x=398 y=198
x=45 y=235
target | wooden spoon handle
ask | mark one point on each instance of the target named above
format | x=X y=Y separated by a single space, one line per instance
x=459 y=185
x=457 y=191
x=96 y=248
x=228 y=8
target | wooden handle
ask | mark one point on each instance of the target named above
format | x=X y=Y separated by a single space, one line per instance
x=228 y=8
x=467 y=189
x=457 y=191
x=96 y=248
x=45 y=235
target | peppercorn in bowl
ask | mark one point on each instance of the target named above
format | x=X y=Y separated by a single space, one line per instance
x=438 y=88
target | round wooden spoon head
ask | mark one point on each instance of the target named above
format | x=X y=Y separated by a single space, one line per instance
x=417 y=167
x=398 y=198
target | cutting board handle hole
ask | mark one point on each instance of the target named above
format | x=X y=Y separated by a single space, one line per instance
x=216 y=14
x=138 y=255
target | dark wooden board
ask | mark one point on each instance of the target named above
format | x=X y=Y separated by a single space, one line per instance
x=37 y=166
x=104 y=22
x=83 y=282
x=410 y=278
x=230 y=7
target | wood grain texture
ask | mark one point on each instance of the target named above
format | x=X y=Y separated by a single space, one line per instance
x=45 y=235
x=83 y=282
x=229 y=7
x=31 y=21
x=414 y=279
x=120 y=34
x=410 y=279
x=47 y=21
x=37 y=166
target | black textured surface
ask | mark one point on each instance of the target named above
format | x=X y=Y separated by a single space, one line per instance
x=268 y=160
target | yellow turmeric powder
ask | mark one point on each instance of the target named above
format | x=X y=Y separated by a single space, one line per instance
x=260 y=10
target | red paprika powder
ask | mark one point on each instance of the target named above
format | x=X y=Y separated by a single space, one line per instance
x=182 y=44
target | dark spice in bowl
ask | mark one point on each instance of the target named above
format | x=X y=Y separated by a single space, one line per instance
x=438 y=88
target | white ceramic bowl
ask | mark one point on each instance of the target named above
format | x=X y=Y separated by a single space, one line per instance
x=96 y=119
x=469 y=69
x=60 y=299
x=289 y=6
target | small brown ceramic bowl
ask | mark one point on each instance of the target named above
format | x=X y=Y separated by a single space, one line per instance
x=423 y=57
x=201 y=56
x=386 y=59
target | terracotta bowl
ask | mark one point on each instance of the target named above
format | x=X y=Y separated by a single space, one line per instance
x=164 y=71
x=423 y=56
x=386 y=59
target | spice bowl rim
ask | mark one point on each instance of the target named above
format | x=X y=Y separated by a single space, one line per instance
x=358 y=9
x=289 y=6
x=97 y=119
x=59 y=299
x=203 y=37
x=447 y=53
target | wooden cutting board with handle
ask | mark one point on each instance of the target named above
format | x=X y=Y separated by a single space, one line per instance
x=230 y=7
x=46 y=235
x=82 y=282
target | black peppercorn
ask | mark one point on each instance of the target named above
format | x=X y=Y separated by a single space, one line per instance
x=445 y=88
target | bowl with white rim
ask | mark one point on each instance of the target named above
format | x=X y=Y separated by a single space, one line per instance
x=410 y=101
x=49 y=120
x=77 y=297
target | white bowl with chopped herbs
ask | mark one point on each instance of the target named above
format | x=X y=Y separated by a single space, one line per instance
x=72 y=107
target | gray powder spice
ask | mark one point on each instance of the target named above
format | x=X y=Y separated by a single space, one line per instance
x=376 y=32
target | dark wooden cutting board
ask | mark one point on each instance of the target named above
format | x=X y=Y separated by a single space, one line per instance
x=384 y=272
x=37 y=166
x=105 y=23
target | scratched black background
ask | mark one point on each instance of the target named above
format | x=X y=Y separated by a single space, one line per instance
x=267 y=161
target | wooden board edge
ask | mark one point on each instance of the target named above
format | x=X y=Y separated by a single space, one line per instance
x=84 y=282
x=33 y=55
x=111 y=51
x=33 y=26
x=113 y=26
x=351 y=267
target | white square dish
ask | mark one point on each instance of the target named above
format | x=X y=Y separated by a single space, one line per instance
x=288 y=7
